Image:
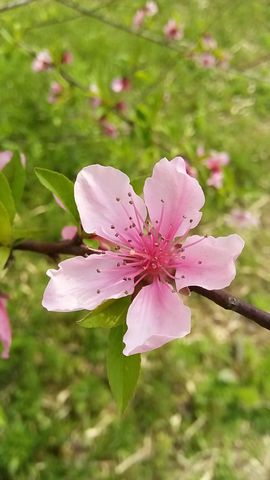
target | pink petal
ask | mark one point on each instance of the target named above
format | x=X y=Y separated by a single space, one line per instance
x=155 y=317
x=106 y=200
x=84 y=283
x=209 y=263
x=5 y=330
x=69 y=232
x=5 y=157
x=180 y=196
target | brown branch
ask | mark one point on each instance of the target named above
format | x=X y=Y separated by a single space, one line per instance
x=220 y=297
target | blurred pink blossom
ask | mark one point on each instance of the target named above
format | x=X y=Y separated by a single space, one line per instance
x=55 y=92
x=149 y=10
x=206 y=60
x=5 y=158
x=209 y=42
x=5 y=330
x=120 y=84
x=95 y=99
x=67 y=57
x=108 y=128
x=7 y=155
x=121 y=106
x=69 y=232
x=217 y=160
x=151 y=258
x=191 y=170
x=200 y=152
x=216 y=179
x=242 y=218
x=42 y=62
x=173 y=31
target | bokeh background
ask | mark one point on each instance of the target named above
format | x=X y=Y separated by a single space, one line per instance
x=202 y=408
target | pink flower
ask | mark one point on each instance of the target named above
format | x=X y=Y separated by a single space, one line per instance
x=216 y=179
x=172 y=31
x=120 y=84
x=206 y=60
x=190 y=170
x=150 y=252
x=149 y=10
x=42 y=62
x=200 y=152
x=55 y=92
x=67 y=57
x=217 y=160
x=5 y=330
x=108 y=128
x=209 y=42
x=242 y=219
x=6 y=156
x=69 y=232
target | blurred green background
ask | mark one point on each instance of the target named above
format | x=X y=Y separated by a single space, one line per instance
x=201 y=410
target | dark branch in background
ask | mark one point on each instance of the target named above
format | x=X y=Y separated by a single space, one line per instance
x=12 y=5
x=220 y=297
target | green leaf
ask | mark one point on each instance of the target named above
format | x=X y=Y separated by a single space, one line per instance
x=4 y=254
x=61 y=186
x=108 y=315
x=6 y=197
x=15 y=174
x=123 y=372
x=5 y=226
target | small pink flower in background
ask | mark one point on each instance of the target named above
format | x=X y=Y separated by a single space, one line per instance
x=216 y=180
x=206 y=60
x=5 y=158
x=149 y=10
x=108 y=128
x=67 y=57
x=5 y=330
x=55 y=92
x=121 y=106
x=42 y=62
x=200 y=152
x=191 y=170
x=173 y=31
x=242 y=219
x=69 y=232
x=95 y=100
x=209 y=42
x=217 y=160
x=7 y=155
x=120 y=84
x=151 y=253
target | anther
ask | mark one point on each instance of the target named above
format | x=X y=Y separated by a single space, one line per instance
x=182 y=276
x=183 y=257
x=129 y=241
x=129 y=194
x=199 y=262
x=117 y=235
x=130 y=218
x=126 y=292
x=117 y=199
x=112 y=227
x=97 y=270
x=125 y=279
x=162 y=201
x=191 y=220
x=98 y=291
x=130 y=202
x=118 y=264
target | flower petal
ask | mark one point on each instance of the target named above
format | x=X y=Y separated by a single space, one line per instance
x=173 y=197
x=106 y=201
x=209 y=263
x=155 y=317
x=5 y=330
x=84 y=283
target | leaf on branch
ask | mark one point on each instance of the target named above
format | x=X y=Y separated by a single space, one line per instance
x=6 y=197
x=4 y=254
x=108 y=315
x=61 y=186
x=123 y=372
x=15 y=174
x=5 y=227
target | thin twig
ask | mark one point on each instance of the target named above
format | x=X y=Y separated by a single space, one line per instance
x=17 y=4
x=220 y=297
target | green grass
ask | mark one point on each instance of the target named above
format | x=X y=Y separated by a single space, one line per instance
x=201 y=411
